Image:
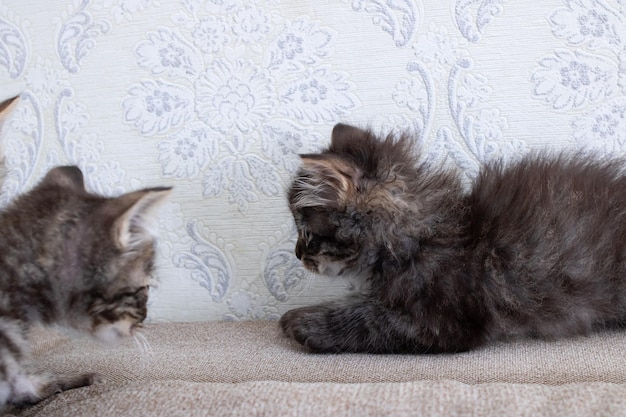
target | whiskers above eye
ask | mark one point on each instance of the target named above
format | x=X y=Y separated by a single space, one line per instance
x=142 y=343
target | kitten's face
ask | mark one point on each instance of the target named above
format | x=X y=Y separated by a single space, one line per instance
x=348 y=200
x=119 y=309
x=325 y=244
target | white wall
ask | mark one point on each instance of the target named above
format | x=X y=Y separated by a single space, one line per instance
x=218 y=97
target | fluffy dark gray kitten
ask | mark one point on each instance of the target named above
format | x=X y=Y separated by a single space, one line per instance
x=74 y=259
x=533 y=249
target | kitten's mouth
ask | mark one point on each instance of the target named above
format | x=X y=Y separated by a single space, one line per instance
x=329 y=269
x=112 y=332
x=311 y=265
x=134 y=328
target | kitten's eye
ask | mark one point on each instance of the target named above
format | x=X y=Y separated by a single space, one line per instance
x=306 y=213
x=313 y=246
x=318 y=222
x=148 y=267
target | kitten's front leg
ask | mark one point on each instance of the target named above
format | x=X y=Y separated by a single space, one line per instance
x=30 y=389
x=355 y=326
x=19 y=385
x=57 y=384
x=310 y=326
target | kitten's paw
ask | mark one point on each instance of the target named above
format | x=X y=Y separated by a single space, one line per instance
x=310 y=327
x=78 y=381
x=31 y=389
x=64 y=383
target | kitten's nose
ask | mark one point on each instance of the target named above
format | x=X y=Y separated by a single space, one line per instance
x=299 y=250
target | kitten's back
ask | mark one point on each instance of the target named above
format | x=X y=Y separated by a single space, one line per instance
x=552 y=234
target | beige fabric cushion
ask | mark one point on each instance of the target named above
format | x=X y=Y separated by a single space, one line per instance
x=251 y=369
x=271 y=398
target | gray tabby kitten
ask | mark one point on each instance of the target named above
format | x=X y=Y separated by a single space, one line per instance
x=533 y=249
x=73 y=259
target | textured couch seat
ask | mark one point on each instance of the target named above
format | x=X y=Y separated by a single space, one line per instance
x=249 y=368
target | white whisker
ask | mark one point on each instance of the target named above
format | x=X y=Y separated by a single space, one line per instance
x=308 y=281
x=142 y=343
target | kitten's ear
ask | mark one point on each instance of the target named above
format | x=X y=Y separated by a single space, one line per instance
x=6 y=106
x=133 y=212
x=334 y=178
x=343 y=137
x=65 y=177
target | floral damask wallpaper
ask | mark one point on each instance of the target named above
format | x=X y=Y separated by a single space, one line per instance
x=218 y=97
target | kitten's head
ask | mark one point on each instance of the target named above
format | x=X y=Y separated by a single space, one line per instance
x=350 y=201
x=98 y=251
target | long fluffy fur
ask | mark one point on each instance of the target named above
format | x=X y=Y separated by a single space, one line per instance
x=73 y=259
x=534 y=249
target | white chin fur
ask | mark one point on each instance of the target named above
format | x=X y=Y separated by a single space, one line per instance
x=112 y=333
x=336 y=269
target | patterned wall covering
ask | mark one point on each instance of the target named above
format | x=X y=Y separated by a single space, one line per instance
x=217 y=98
